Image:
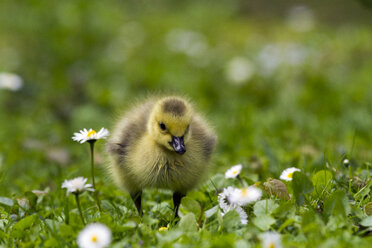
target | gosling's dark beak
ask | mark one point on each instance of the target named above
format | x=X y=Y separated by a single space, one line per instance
x=178 y=144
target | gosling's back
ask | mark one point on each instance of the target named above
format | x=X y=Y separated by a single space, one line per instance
x=138 y=161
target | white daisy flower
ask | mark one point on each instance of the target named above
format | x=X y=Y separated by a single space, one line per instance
x=246 y=195
x=271 y=240
x=273 y=56
x=301 y=18
x=86 y=135
x=10 y=81
x=77 y=185
x=189 y=42
x=95 y=235
x=233 y=171
x=242 y=214
x=287 y=174
x=40 y=192
x=239 y=70
x=226 y=205
x=223 y=198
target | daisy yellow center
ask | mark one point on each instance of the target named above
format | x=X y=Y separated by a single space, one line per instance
x=235 y=172
x=244 y=192
x=290 y=175
x=163 y=228
x=94 y=239
x=91 y=133
x=272 y=245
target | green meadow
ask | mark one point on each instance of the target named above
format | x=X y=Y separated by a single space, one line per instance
x=283 y=84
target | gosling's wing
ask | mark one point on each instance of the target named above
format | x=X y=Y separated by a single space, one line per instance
x=129 y=130
x=204 y=135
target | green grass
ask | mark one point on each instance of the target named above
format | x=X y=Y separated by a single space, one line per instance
x=84 y=63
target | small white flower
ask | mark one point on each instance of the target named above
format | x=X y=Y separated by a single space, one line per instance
x=244 y=196
x=86 y=135
x=95 y=235
x=77 y=185
x=269 y=58
x=189 y=42
x=242 y=214
x=295 y=54
x=233 y=171
x=287 y=174
x=10 y=81
x=40 y=192
x=239 y=70
x=346 y=161
x=301 y=18
x=226 y=205
x=223 y=198
x=273 y=56
x=271 y=240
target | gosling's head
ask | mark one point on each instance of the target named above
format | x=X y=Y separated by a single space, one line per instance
x=169 y=123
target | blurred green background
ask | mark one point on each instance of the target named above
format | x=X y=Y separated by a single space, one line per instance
x=283 y=82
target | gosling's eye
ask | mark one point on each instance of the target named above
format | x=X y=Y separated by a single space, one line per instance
x=162 y=126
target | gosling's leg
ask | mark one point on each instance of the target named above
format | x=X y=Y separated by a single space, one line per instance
x=177 y=196
x=137 y=197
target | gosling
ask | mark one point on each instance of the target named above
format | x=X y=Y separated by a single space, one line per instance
x=160 y=143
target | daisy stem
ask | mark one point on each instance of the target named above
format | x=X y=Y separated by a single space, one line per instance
x=79 y=208
x=92 y=161
x=95 y=193
x=240 y=180
x=350 y=178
